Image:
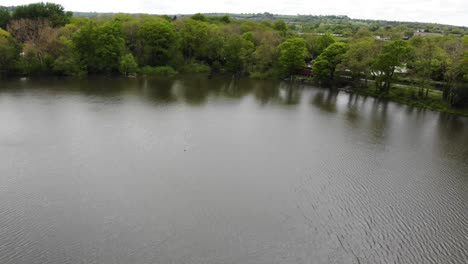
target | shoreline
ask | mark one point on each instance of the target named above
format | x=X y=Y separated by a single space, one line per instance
x=401 y=94
x=405 y=95
x=436 y=105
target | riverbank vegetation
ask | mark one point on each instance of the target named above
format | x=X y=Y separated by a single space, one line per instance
x=376 y=57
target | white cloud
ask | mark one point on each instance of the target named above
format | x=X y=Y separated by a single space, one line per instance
x=453 y=12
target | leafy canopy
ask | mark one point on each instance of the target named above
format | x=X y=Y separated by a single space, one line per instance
x=55 y=13
x=292 y=54
x=325 y=65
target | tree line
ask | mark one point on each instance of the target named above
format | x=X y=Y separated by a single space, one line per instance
x=345 y=26
x=43 y=38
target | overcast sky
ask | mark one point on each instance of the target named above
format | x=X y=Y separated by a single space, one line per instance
x=454 y=12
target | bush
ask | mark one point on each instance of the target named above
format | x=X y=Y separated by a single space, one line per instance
x=271 y=73
x=196 y=68
x=161 y=70
x=69 y=66
x=29 y=64
x=128 y=64
x=413 y=94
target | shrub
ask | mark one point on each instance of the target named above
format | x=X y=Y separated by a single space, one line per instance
x=128 y=64
x=161 y=70
x=196 y=68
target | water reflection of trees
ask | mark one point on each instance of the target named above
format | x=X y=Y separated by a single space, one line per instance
x=234 y=87
x=158 y=90
x=290 y=93
x=355 y=110
x=196 y=89
x=352 y=109
x=326 y=100
x=451 y=136
x=105 y=87
x=379 y=121
x=266 y=91
x=193 y=89
x=100 y=87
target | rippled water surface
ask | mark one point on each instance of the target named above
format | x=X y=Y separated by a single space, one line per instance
x=198 y=170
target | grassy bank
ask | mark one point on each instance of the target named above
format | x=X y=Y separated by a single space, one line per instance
x=408 y=95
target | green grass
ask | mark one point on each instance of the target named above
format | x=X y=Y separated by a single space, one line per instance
x=195 y=67
x=161 y=70
x=408 y=95
x=269 y=74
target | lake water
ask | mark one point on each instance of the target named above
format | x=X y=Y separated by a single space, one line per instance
x=198 y=170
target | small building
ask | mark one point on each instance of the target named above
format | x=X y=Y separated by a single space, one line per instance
x=420 y=34
x=306 y=71
x=382 y=38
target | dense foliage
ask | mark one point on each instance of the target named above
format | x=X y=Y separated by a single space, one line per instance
x=44 y=39
x=292 y=55
x=52 y=12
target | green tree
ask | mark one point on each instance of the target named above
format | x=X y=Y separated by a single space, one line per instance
x=195 y=36
x=67 y=61
x=199 y=17
x=464 y=62
x=317 y=44
x=249 y=25
x=265 y=57
x=394 y=54
x=128 y=64
x=225 y=19
x=455 y=50
x=238 y=52
x=55 y=13
x=292 y=54
x=324 y=66
x=359 y=58
x=9 y=52
x=363 y=32
x=160 y=42
x=280 y=25
x=69 y=66
x=100 y=47
x=427 y=58
x=215 y=46
x=5 y=17
x=249 y=36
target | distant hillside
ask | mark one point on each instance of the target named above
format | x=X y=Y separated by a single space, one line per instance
x=314 y=23
x=11 y=8
x=338 y=24
x=92 y=14
x=335 y=23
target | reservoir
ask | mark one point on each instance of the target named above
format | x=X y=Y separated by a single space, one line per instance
x=191 y=169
